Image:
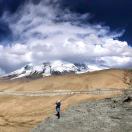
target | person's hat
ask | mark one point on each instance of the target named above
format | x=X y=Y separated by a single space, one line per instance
x=58 y=101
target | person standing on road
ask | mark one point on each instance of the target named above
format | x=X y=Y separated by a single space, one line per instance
x=58 y=108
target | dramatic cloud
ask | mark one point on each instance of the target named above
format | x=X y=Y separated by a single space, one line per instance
x=44 y=32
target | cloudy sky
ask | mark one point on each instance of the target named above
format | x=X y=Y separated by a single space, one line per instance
x=97 y=32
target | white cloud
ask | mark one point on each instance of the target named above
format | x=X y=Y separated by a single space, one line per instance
x=43 y=32
x=117 y=61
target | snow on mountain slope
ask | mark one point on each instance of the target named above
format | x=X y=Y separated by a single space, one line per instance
x=51 y=68
x=63 y=66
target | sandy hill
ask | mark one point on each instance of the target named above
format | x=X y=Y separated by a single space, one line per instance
x=112 y=78
x=21 y=113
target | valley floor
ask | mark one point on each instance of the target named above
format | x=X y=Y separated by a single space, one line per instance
x=25 y=103
x=19 y=113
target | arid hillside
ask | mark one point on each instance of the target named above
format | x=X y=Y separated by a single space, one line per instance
x=20 y=113
x=112 y=78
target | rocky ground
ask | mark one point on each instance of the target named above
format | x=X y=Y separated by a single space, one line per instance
x=108 y=115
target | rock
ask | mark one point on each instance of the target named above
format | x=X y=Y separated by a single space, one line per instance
x=127 y=99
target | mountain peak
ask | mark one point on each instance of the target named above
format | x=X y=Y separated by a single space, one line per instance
x=51 y=68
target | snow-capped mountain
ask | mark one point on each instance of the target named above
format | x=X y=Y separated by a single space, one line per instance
x=51 y=68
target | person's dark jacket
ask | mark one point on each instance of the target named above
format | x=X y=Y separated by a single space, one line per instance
x=58 y=105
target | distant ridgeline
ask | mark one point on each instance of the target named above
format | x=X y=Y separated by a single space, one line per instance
x=52 y=68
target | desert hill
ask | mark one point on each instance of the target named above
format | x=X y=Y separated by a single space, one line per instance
x=112 y=78
x=21 y=113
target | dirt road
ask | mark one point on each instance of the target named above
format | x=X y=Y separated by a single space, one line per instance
x=59 y=92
